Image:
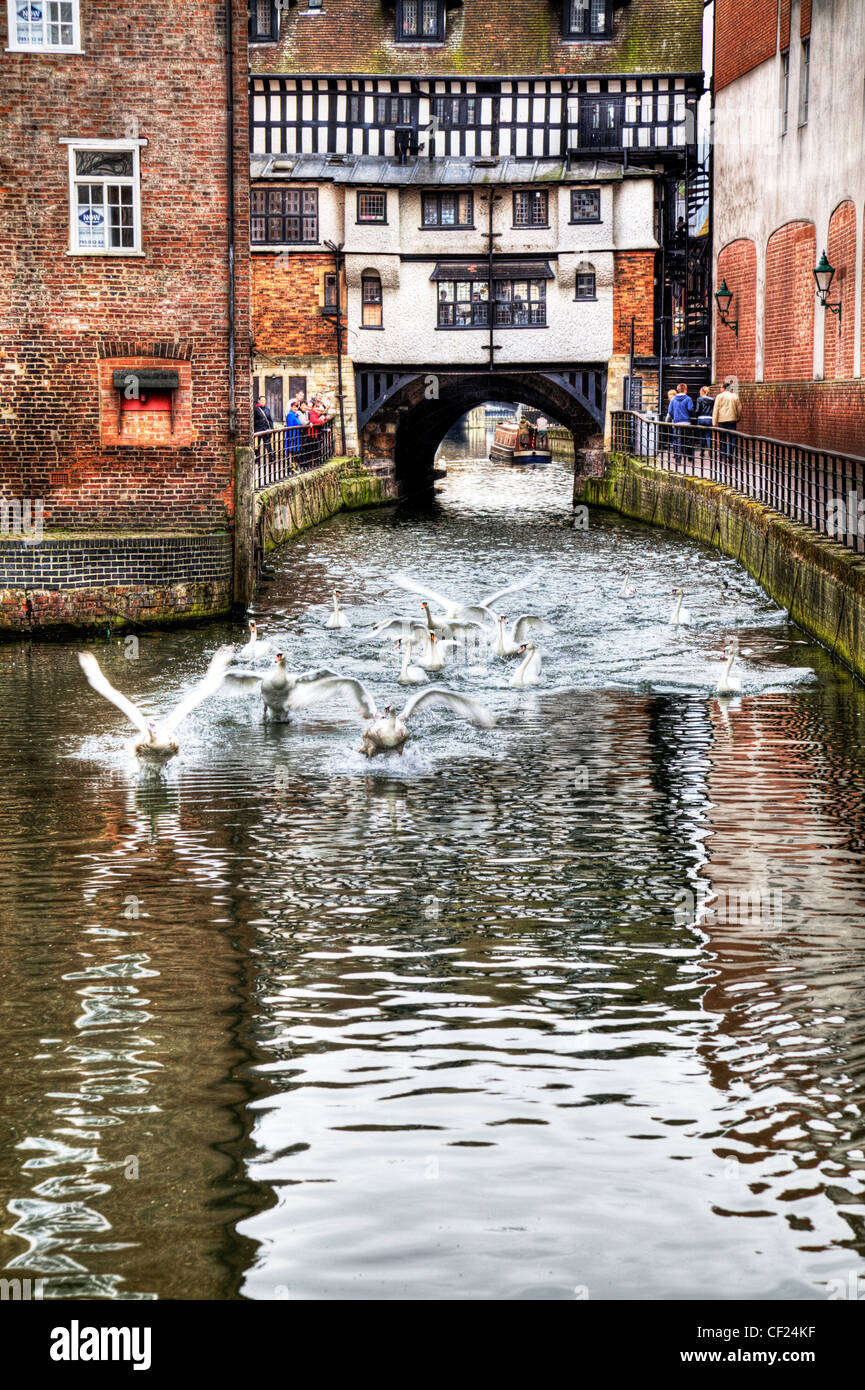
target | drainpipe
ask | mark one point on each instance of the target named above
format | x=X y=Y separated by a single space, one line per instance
x=229 y=70
x=336 y=248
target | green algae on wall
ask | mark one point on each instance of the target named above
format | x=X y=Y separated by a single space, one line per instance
x=819 y=581
x=288 y=508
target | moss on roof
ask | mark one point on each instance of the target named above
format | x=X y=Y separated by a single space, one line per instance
x=484 y=37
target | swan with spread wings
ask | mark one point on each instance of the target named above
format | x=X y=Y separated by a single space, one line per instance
x=157 y=745
x=387 y=730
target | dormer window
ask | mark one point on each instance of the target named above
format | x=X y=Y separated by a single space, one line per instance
x=420 y=21
x=588 y=19
x=263 y=21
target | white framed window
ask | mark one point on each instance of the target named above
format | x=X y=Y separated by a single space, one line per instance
x=48 y=26
x=104 y=197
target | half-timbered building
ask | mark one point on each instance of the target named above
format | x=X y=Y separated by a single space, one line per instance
x=479 y=193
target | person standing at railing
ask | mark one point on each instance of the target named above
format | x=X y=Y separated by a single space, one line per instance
x=703 y=416
x=293 y=431
x=726 y=413
x=263 y=424
x=679 y=413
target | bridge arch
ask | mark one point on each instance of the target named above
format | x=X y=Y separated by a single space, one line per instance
x=404 y=415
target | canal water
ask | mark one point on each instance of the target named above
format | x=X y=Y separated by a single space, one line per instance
x=573 y=1007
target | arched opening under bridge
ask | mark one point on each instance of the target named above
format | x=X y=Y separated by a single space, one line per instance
x=404 y=415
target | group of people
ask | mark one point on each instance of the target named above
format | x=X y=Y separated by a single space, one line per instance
x=302 y=414
x=722 y=412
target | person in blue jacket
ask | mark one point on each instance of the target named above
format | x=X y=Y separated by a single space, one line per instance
x=679 y=413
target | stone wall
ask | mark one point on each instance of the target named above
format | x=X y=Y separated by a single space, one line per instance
x=344 y=484
x=820 y=582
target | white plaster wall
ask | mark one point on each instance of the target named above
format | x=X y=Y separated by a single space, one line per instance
x=764 y=179
x=577 y=330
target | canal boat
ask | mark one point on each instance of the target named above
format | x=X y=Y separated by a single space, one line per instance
x=520 y=441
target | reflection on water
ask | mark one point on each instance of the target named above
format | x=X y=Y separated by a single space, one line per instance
x=573 y=1002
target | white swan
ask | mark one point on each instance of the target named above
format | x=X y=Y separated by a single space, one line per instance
x=337 y=617
x=680 y=616
x=409 y=674
x=452 y=609
x=529 y=670
x=277 y=686
x=727 y=684
x=157 y=744
x=254 y=647
x=511 y=643
x=434 y=658
x=388 y=730
x=406 y=627
x=627 y=590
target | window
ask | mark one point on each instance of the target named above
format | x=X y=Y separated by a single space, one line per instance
x=273 y=397
x=588 y=19
x=520 y=303
x=388 y=110
x=372 y=207
x=263 y=21
x=785 y=90
x=284 y=215
x=104 y=197
x=448 y=210
x=463 y=303
x=585 y=205
x=531 y=209
x=45 y=24
x=805 y=82
x=330 y=299
x=455 y=111
x=420 y=21
x=370 y=295
x=585 y=285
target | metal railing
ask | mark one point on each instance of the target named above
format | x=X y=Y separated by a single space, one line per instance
x=290 y=449
x=815 y=487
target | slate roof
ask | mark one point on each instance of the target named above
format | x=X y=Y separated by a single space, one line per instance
x=483 y=37
x=427 y=173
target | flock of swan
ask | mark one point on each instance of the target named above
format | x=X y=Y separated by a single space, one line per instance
x=424 y=646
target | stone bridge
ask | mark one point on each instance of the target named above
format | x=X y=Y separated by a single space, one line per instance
x=404 y=413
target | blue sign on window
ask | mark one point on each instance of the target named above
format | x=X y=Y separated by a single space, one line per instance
x=91 y=218
x=32 y=12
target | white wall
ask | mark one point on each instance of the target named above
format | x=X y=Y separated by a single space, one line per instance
x=576 y=331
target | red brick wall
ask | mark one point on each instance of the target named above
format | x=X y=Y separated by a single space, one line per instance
x=287 y=294
x=805 y=19
x=737 y=264
x=784 y=26
x=158 y=71
x=634 y=295
x=826 y=414
x=841 y=336
x=746 y=34
x=788 y=332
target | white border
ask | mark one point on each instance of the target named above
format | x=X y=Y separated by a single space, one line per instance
x=133 y=145
x=43 y=48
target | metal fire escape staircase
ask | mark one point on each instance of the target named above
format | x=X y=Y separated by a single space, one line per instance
x=686 y=280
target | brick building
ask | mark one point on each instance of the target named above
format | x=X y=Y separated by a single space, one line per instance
x=482 y=198
x=790 y=183
x=124 y=308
